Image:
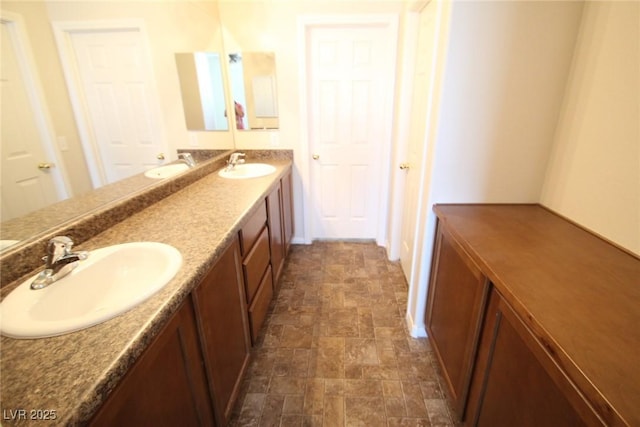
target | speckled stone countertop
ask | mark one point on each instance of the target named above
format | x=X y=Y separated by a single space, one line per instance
x=72 y=374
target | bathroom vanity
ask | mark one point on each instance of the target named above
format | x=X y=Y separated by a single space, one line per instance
x=533 y=320
x=179 y=357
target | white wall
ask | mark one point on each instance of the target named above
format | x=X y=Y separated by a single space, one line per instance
x=506 y=68
x=505 y=75
x=594 y=169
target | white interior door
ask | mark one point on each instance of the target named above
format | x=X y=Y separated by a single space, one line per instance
x=347 y=73
x=416 y=151
x=116 y=85
x=29 y=173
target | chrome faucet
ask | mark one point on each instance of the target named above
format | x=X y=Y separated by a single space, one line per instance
x=187 y=158
x=59 y=261
x=234 y=159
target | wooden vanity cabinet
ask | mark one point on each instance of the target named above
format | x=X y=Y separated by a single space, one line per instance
x=515 y=382
x=276 y=231
x=455 y=306
x=220 y=305
x=287 y=210
x=256 y=268
x=280 y=209
x=167 y=385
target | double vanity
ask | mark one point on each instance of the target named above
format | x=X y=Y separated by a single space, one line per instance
x=177 y=357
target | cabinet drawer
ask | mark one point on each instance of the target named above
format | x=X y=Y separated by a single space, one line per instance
x=260 y=305
x=252 y=229
x=255 y=264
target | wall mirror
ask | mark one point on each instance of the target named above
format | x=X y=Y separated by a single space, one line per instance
x=27 y=28
x=202 y=90
x=253 y=86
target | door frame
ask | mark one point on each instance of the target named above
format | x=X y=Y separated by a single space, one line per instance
x=63 y=31
x=33 y=85
x=305 y=24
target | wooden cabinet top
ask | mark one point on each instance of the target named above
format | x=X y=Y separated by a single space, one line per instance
x=579 y=294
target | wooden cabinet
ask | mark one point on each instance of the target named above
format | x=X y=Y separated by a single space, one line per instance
x=276 y=235
x=280 y=218
x=223 y=326
x=191 y=373
x=287 y=211
x=167 y=385
x=516 y=383
x=457 y=295
x=256 y=266
x=533 y=319
x=251 y=230
x=260 y=304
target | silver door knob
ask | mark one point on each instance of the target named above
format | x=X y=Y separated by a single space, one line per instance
x=404 y=166
x=316 y=156
x=44 y=166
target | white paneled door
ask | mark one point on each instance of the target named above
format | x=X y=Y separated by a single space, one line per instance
x=115 y=80
x=348 y=80
x=416 y=150
x=30 y=174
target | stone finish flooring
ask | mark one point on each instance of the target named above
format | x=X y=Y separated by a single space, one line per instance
x=335 y=351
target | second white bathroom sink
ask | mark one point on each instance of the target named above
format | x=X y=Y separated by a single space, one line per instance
x=247 y=170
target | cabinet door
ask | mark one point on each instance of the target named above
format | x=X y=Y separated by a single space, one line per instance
x=255 y=264
x=167 y=385
x=455 y=305
x=515 y=383
x=287 y=211
x=274 y=207
x=222 y=321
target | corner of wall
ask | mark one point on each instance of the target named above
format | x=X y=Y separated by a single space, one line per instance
x=416 y=331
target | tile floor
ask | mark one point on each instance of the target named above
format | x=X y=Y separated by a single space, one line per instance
x=335 y=351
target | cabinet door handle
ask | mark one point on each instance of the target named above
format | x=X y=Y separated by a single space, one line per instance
x=44 y=166
x=160 y=156
x=404 y=166
x=316 y=156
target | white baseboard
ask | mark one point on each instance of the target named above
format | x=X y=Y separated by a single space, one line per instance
x=414 y=330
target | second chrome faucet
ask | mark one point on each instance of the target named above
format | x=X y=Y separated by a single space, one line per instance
x=235 y=159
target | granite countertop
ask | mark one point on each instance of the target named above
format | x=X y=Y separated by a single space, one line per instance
x=72 y=374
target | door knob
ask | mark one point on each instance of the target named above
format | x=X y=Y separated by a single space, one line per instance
x=44 y=166
x=404 y=166
x=316 y=156
x=160 y=156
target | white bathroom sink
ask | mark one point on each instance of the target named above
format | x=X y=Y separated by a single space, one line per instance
x=247 y=170
x=109 y=282
x=166 y=171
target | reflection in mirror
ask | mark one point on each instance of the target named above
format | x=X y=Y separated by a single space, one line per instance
x=203 y=100
x=253 y=85
x=59 y=162
x=30 y=177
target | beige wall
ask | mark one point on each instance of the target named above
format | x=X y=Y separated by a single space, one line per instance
x=594 y=169
x=507 y=65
